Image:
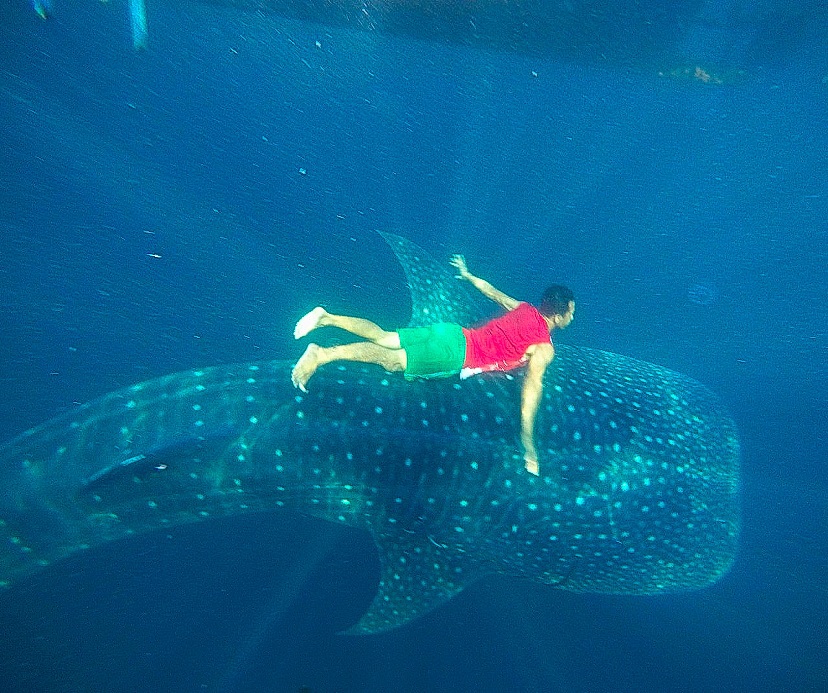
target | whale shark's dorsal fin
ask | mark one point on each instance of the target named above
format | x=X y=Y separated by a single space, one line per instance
x=436 y=295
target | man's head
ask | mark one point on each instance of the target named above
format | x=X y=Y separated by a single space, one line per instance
x=557 y=305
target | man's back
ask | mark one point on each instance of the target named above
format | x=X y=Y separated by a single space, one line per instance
x=501 y=343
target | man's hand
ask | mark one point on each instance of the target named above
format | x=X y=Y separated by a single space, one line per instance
x=531 y=462
x=505 y=302
x=459 y=262
x=530 y=454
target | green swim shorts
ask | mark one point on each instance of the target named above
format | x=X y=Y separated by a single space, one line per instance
x=434 y=351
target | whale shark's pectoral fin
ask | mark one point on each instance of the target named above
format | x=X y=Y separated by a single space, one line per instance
x=417 y=574
x=145 y=464
x=436 y=295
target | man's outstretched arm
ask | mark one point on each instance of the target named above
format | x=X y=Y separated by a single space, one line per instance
x=540 y=357
x=507 y=302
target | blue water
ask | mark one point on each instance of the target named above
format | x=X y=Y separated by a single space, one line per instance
x=182 y=206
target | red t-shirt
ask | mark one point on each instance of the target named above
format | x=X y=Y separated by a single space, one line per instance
x=500 y=344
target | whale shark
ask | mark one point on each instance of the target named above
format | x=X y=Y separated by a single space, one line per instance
x=719 y=38
x=638 y=490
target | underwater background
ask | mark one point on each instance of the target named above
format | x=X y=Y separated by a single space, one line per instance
x=182 y=205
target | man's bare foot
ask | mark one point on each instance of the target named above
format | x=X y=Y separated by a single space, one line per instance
x=305 y=367
x=309 y=322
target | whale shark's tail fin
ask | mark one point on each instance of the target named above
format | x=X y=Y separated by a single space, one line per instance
x=436 y=295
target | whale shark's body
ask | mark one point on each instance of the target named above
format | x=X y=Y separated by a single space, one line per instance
x=644 y=34
x=638 y=492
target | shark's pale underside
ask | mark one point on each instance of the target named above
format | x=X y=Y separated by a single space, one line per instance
x=638 y=492
x=647 y=33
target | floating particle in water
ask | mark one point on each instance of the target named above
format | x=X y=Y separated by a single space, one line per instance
x=702 y=294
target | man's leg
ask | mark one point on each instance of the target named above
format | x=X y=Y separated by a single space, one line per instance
x=366 y=329
x=364 y=352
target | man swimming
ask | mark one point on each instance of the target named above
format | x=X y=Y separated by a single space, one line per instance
x=520 y=337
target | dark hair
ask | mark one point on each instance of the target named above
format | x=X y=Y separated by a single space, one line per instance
x=556 y=300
